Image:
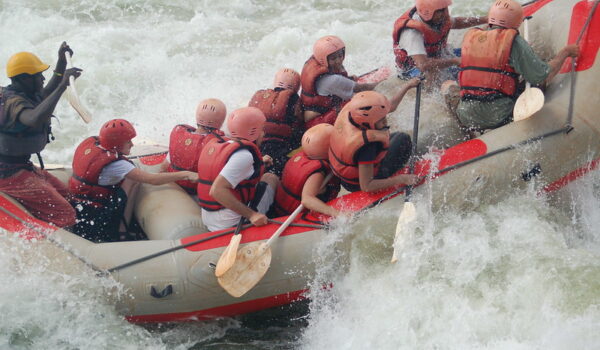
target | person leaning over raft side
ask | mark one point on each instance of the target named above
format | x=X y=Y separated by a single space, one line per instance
x=493 y=59
x=186 y=142
x=325 y=82
x=281 y=106
x=26 y=108
x=303 y=175
x=103 y=178
x=420 y=39
x=362 y=152
x=231 y=174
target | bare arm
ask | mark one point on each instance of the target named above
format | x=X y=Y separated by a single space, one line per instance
x=139 y=175
x=368 y=183
x=61 y=64
x=364 y=87
x=426 y=64
x=221 y=192
x=310 y=191
x=467 y=22
x=397 y=98
x=557 y=62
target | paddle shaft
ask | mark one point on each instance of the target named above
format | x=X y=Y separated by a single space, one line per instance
x=411 y=162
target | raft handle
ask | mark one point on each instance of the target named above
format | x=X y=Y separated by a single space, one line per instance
x=164 y=293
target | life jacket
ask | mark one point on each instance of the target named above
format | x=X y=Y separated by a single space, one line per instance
x=311 y=100
x=435 y=40
x=89 y=160
x=184 y=149
x=213 y=158
x=297 y=170
x=274 y=104
x=485 y=71
x=346 y=139
x=20 y=144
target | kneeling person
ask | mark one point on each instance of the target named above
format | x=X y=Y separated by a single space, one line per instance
x=304 y=174
x=100 y=167
x=362 y=152
x=186 y=142
x=232 y=175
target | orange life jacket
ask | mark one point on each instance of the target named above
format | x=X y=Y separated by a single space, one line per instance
x=435 y=40
x=297 y=170
x=274 y=104
x=311 y=101
x=184 y=149
x=485 y=64
x=213 y=158
x=89 y=160
x=347 y=138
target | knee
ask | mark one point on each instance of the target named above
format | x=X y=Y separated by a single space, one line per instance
x=270 y=179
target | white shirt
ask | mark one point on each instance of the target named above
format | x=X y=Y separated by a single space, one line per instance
x=412 y=41
x=114 y=172
x=335 y=85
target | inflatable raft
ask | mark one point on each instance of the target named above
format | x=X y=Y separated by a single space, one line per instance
x=171 y=276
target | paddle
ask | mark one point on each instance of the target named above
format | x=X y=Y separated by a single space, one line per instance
x=254 y=259
x=409 y=213
x=227 y=258
x=73 y=97
x=532 y=99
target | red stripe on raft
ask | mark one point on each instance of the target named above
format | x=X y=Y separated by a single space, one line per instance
x=223 y=311
x=572 y=176
x=533 y=8
x=590 y=42
x=16 y=225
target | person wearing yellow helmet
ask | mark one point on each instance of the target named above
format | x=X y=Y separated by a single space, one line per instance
x=26 y=108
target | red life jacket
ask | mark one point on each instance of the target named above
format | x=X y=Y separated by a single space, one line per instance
x=311 y=101
x=347 y=138
x=89 y=160
x=213 y=158
x=485 y=71
x=297 y=170
x=435 y=40
x=274 y=104
x=184 y=149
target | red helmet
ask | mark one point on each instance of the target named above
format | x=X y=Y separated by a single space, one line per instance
x=211 y=113
x=426 y=8
x=367 y=108
x=287 y=78
x=325 y=47
x=315 y=141
x=115 y=133
x=246 y=123
x=506 y=13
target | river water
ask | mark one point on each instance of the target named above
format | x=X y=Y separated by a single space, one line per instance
x=520 y=274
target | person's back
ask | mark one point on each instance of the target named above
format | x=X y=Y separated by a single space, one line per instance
x=281 y=107
x=26 y=108
x=186 y=142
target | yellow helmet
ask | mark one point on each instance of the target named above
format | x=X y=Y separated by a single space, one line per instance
x=24 y=62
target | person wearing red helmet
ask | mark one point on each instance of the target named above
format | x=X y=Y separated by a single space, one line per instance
x=362 y=153
x=186 y=142
x=103 y=178
x=26 y=108
x=420 y=38
x=494 y=58
x=325 y=82
x=231 y=174
x=281 y=106
x=303 y=175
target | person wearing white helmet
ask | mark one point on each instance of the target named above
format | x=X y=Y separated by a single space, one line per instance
x=326 y=85
x=26 y=108
x=284 y=125
x=494 y=58
x=232 y=182
x=186 y=142
x=420 y=39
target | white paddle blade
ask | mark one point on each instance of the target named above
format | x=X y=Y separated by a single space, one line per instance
x=252 y=263
x=228 y=256
x=407 y=215
x=74 y=101
x=530 y=101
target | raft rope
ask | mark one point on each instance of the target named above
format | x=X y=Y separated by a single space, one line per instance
x=574 y=65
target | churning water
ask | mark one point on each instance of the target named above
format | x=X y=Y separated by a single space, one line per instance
x=521 y=274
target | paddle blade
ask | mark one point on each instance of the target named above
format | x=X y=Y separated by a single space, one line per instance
x=73 y=99
x=228 y=256
x=407 y=215
x=530 y=101
x=251 y=264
